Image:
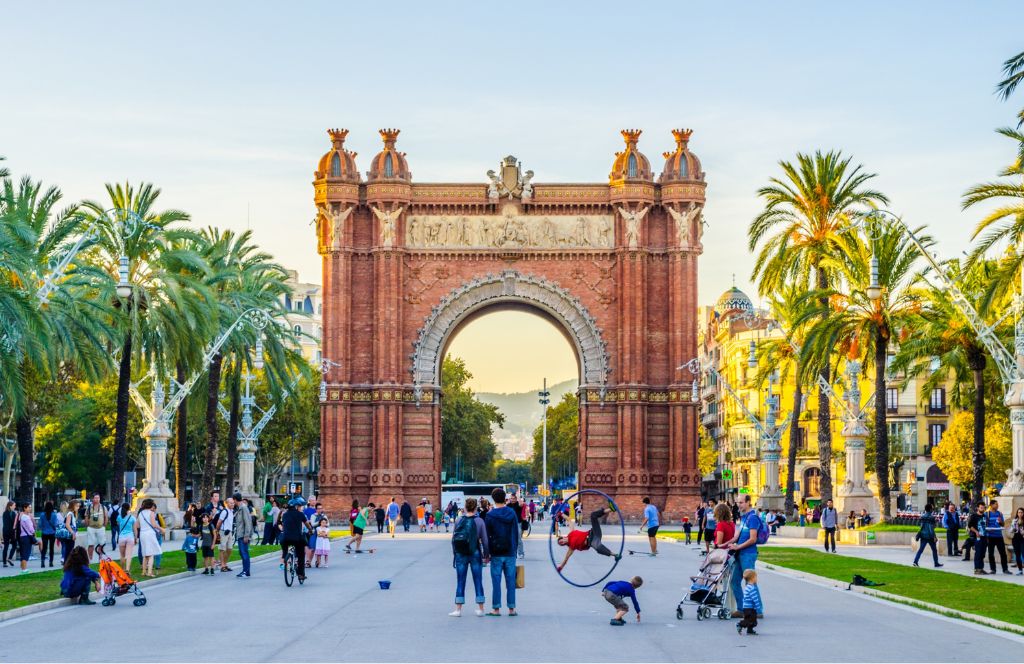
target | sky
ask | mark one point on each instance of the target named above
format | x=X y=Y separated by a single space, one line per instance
x=225 y=105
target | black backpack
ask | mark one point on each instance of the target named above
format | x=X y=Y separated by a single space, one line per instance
x=464 y=540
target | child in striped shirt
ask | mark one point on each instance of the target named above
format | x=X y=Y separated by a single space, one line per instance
x=751 y=603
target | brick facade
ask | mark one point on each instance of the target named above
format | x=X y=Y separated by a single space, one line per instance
x=386 y=302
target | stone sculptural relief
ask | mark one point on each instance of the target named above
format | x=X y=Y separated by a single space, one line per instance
x=510 y=231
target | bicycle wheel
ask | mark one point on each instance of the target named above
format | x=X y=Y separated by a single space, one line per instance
x=289 y=568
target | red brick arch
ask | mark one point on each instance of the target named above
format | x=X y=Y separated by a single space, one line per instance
x=405 y=264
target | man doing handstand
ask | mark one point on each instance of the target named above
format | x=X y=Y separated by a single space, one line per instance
x=581 y=540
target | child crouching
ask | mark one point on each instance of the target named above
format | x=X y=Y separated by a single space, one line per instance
x=615 y=593
x=751 y=603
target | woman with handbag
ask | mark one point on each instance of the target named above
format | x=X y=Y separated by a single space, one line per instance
x=146 y=529
x=48 y=524
x=67 y=532
x=25 y=528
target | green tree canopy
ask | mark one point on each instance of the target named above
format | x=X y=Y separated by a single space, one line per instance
x=467 y=445
x=563 y=438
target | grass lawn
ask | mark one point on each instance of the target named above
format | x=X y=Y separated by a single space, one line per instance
x=994 y=599
x=25 y=589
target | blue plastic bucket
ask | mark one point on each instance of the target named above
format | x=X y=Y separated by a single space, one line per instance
x=384 y=584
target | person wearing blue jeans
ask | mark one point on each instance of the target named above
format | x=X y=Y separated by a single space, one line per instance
x=744 y=550
x=503 y=535
x=469 y=552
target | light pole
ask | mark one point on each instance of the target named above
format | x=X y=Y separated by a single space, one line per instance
x=325 y=367
x=545 y=399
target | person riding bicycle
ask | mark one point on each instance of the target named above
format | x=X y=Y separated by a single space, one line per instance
x=292 y=523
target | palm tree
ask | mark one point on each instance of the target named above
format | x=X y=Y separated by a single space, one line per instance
x=167 y=304
x=70 y=331
x=805 y=214
x=782 y=355
x=865 y=323
x=943 y=345
x=1013 y=71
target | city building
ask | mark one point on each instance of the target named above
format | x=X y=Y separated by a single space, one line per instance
x=305 y=311
x=728 y=333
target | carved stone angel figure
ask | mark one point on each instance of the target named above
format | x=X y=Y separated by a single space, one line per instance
x=387 y=224
x=683 y=223
x=338 y=218
x=633 y=220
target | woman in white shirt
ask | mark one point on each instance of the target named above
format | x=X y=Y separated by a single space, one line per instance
x=146 y=529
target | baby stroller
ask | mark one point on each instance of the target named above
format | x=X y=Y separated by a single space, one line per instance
x=709 y=587
x=117 y=582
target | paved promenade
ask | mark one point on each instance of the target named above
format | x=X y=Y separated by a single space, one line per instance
x=340 y=614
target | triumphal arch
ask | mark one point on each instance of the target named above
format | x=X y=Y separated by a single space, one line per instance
x=406 y=264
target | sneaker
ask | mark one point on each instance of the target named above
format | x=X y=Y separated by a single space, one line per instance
x=457 y=613
x=618 y=622
x=915 y=564
x=86 y=601
x=242 y=575
x=1006 y=571
x=479 y=613
x=1020 y=573
x=938 y=564
x=980 y=572
x=751 y=631
x=739 y=628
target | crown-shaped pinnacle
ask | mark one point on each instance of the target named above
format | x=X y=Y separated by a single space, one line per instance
x=337 y=137
x=631 y=136
x=682 y=137
x=389 y=136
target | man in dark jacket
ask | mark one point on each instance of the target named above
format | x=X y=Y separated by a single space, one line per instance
x=406 y=514
x=503 y=536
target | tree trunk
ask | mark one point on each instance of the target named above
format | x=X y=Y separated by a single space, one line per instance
x=794 y=441
x=976 y=361
x=210 y=455
x=236 y=400
x=181 y=445
x=26 y=451
x=119 y=462
x=881 y=427
x=824 y=411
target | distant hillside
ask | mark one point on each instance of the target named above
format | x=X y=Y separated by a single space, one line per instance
x=522 y=411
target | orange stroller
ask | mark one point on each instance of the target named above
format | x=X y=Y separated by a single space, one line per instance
x=117 y=582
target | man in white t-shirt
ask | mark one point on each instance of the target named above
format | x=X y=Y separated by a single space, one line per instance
x=95 y=525
x=224 y=523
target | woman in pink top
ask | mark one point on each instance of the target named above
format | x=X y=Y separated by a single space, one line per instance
x=25 y=528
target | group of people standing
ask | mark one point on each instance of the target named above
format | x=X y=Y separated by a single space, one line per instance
x=986 y=529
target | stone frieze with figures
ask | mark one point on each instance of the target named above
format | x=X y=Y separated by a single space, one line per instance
x=510 y=230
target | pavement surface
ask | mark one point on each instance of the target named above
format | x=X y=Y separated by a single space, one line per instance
x=340 y=614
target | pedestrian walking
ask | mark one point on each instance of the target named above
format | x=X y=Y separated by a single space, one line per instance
x=393 y=511
x=926 y=535
x=1017 y=540
x=951 y=522
x=421 y=516
x=96 y=519
x=470 y=552
x=710 y=523
x=652 y=521
x=829 y=519
x=698 y=516
x=146 y=529
x=994 y=524
x=270 y=521
x=745 y=551
x=406 y=513
x=10 y=534
x=126 y=536
x=503 y=534
x=687 y=528
x=242 y=531
x=752 y=605
x=379 y=514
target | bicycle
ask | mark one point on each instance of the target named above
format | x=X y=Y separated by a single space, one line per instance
x=289 y=568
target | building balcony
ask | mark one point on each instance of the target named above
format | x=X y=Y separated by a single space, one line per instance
x=937 y=410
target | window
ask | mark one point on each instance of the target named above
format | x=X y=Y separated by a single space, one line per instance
x=307 y=305
x=287 y=301
x=298 y=306
x=319 y=356
x=903 y=438
x=631 y=168
x=297 y=329
x=812 y=482
x=892 y=399
x=684 y=168
x=935 y=431
x=336 y=166
x=937 y=402
x=801 y=444
x=389 y=167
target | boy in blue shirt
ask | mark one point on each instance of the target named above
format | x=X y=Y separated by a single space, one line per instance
x=751 y=603
x=615 y=593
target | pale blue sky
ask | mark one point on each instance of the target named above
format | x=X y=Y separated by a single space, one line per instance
x=224 y=105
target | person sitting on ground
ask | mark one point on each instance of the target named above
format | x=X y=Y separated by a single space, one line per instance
x=752 y=605
x=616 y=592
x=865 y=518
x=77 y=577
x=581 y=540
x=851 y=521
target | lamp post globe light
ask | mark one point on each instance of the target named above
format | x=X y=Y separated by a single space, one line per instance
x=325 y=367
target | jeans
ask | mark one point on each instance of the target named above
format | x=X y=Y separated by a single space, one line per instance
x=744 y=559
x=803 y=520
x=243 y=553
x=830 y=534
x=464 y=564
x=952 y=542
x=269 y=534
x=503 y=565
x=405 y=523
x=996 y=544
x=920 y=550
x=66 y=545
x=380 y=525
x=190 y=561
x=979 y=552
x=48 y=543
x=1018 y=551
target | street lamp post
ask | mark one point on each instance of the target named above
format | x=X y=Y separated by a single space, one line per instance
x=545 y=399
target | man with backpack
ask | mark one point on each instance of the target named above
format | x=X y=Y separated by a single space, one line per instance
x=503 y=535
x=471 y=549
x=829 y=522
x=750 y=532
